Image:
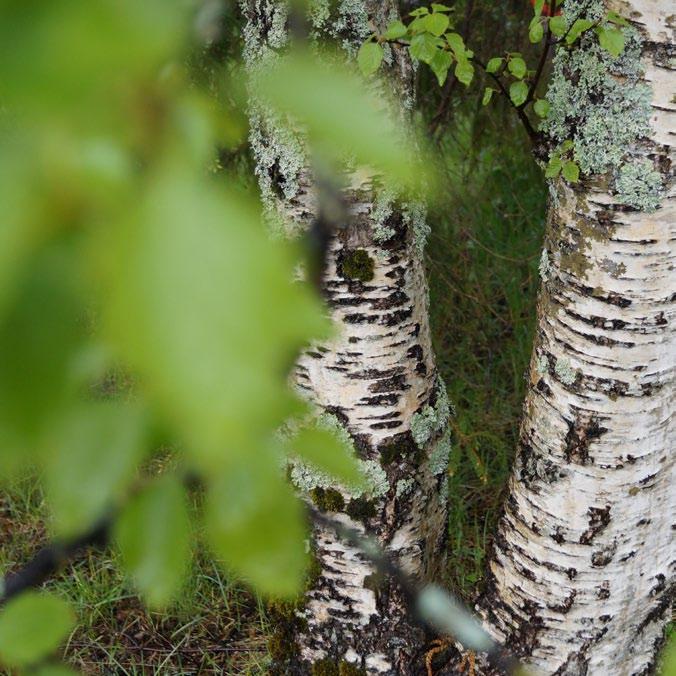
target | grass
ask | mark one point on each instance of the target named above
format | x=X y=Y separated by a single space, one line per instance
x=483 y=261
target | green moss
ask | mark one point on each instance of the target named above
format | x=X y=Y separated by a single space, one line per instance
x=325 y=667
x=357 y=265
x=349 y=669
x=327 y=499
x=361 y=509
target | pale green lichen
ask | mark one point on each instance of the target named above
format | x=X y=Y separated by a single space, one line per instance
x=403 y=487
x=443 y=492
x=280 y=160
x=431 y=420
x=541 y=365
x=415 y=218
x=638 y=185
x=383 y=208
x=603 y=105
x=544 y=266
x=349 y=23
x=597 y=101
x=439 y=457
x=566 y=373
x=376 y=479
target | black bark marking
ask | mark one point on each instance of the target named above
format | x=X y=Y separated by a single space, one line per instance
x=581 y=432
x=599 y=518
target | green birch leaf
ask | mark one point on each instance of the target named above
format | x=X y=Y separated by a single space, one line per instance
x=578 y=27
x=553 y=167
x=518 y=92
x=438 y=7
x=395 y=30
x=95 y=457
x=541 y=107
x=494 y=64
x=517 y=67
x=558 y=25
x=488 y=95
x=255 y=526
x=535 y=30
x=369 y=58
x=423 y=47
x=440 y=64
x=437 y=24
x=612 y=40
x=464 y=71
x=571 y=171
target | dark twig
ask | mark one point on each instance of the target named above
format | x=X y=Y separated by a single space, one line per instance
x=530 y=130
x=49 y=559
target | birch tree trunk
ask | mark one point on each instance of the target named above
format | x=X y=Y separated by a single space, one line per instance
x=376 y=382
x=581 y=576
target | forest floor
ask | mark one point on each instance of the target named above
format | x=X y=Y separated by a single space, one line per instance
x=483 y=260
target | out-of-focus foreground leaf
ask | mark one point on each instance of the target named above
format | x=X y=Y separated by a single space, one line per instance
x=32 y=626
x=153 y=533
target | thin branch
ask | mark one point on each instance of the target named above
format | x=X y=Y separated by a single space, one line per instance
x=49 y=559
x=530 y=130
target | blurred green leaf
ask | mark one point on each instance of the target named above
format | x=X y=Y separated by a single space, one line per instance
x=255 y=526
x=488 y=95
x=97 y=449
x=40 y=335
x=369 y=57
x=63 y=57
x=53 y=670
x=518 y=92
x=153 y=534
x=32 y=625
x=204 y=305
x=326 y=451
x=341 y=117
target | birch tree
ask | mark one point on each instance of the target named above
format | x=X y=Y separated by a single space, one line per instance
x=581 y=572
x=376 y=383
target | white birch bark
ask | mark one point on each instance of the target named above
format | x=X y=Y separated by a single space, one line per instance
x=376 y=380
x=581 y=576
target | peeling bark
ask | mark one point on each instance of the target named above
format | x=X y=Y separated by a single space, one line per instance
x=581 y=577
x=377 y=378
